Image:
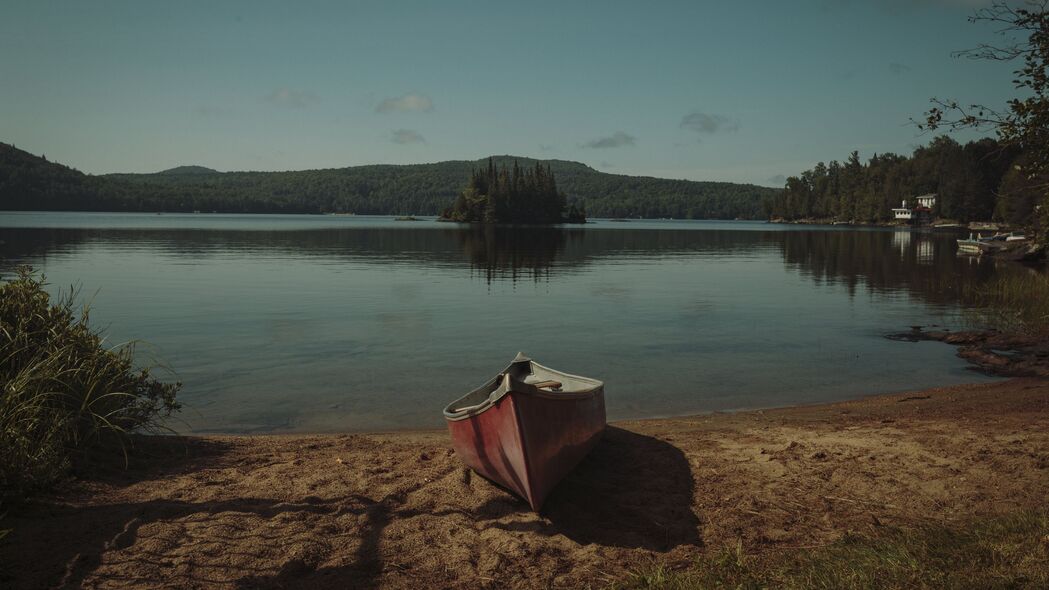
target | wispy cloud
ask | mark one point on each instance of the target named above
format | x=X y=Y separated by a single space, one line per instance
x=291 y=98
x=898 y=68
x=708 y=124
x=406 y=103
x=546 y=148
x=407 y=136
x=778 y=179
x=617 y=139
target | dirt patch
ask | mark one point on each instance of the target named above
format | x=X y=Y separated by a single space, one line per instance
x=400 y=511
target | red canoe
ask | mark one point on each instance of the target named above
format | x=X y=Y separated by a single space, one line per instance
x=527 y=427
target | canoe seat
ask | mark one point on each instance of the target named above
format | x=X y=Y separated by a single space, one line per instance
x=551 y=384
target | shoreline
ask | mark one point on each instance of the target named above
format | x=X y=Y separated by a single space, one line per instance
x=699 y=415
x=393 y=509
x=997 y=355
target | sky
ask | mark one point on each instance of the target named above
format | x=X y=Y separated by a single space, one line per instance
x=748 y=91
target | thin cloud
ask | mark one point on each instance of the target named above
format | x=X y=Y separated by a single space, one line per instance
x=898 y=68
x=405 y=104
x=407 y=136
x=708 y=124
x=779 y=179
x=291 y=98
x=616 y=140
x=546 y=148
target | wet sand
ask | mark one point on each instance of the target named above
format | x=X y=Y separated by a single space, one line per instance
x=399 y=511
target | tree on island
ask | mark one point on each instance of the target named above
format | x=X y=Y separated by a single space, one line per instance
x=1024 y=124
x=497 y=194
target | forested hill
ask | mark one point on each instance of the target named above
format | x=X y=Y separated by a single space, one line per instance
x=188 y=170
x=978 y=181
x=29 y=182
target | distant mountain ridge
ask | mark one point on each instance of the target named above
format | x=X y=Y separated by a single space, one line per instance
x=189 y=170
x=29 y=182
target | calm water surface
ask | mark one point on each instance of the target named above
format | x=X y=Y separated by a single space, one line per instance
x=322 y=323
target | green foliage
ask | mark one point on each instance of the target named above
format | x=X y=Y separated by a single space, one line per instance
x=28 y=183
x=966 y=179
x=1024 y=124
x=512 y=195
x=1004 y=552
x=61 y=391
x=1013 y=303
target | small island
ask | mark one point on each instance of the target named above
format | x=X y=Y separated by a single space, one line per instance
x=498 y=194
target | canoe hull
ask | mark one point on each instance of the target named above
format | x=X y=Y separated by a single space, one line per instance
x=527 y=443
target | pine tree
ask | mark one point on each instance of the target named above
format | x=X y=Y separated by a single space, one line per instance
x=499 y=194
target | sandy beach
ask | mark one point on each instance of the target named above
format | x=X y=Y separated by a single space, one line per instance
x=398 y=510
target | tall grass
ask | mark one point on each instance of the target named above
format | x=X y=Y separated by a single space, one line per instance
x=63 y=393
x=1010 y=551
x=1015 y=302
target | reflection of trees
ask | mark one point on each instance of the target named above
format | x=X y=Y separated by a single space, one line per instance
x=508 y=252
x=922 y=264
x=502 y=252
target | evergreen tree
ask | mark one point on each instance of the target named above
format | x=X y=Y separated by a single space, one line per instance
x=966 y=179
x=513 y=195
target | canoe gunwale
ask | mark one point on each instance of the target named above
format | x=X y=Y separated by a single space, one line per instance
x=456 y=411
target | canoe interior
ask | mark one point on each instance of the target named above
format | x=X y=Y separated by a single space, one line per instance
x=528 y=372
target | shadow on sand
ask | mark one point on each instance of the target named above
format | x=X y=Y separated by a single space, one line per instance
x=55 y=544
x=632 y=491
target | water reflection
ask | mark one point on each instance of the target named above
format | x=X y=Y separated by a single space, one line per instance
x=359 y=325
x=512 y=253
x=922 y=264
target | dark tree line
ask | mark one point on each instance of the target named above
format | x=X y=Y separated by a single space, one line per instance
x=28 y=182
x=1023 y=123
x=977 y=181
x=503 y=194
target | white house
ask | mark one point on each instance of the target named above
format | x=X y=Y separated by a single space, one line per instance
x=903 y=211
x=927 y=201
x=923 y=210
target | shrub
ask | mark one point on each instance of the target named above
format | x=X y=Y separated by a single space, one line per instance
x=62 y=392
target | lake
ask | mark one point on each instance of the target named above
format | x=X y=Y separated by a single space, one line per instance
x=292 y=323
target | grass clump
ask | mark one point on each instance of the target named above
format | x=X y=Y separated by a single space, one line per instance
x=1016 y=302
x=63 y=393
x=1010 y=551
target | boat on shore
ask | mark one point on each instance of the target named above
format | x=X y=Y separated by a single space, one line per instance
x=527 y=427
x=982 y=245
